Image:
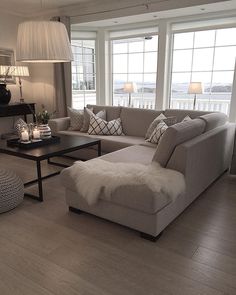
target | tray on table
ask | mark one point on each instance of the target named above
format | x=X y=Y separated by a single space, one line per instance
x=15 y=142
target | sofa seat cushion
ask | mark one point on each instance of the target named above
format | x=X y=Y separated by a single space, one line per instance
x=143 y=199
x=110 y=143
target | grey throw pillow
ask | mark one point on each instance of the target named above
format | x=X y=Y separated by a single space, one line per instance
x=76 y=119
x=99 y=126
x=170 y=121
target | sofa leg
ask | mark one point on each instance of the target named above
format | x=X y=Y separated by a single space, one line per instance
x=150 y=237
x=75 y=210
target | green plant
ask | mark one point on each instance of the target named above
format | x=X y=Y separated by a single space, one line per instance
x=43 y=117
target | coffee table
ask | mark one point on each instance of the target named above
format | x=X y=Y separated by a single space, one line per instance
x=67 y=144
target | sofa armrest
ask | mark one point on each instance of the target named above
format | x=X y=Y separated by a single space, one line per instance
x=59 y=124
x=204 y=158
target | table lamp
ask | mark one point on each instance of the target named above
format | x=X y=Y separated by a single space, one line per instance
x=130 y=87
x=195 y=88
x=20 y=71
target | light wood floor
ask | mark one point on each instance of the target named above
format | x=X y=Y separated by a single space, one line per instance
x=44 y=249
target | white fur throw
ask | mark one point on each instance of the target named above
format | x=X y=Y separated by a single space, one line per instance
x=96 y=176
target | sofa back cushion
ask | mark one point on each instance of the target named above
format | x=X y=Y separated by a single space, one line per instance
x=214 y=120
x=112 y=112
x=181 y=114
x=175 y=135
x=135 y=122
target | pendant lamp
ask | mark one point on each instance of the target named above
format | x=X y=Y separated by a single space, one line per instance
x=43 y=41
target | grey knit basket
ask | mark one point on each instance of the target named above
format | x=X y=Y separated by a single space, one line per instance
x=11 y=190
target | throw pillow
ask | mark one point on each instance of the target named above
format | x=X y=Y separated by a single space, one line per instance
x=76 y=118
x=187 y=118
x=87 y=114
x=158 y=132
x=170 y=121
x=19 y=125
x=99 y=126
x=154 y=124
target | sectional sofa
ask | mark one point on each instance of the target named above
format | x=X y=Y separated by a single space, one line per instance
x=201 y=149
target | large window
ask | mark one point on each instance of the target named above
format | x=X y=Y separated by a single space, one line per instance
x=135 y=60
x=207 y=57
x=83 y=73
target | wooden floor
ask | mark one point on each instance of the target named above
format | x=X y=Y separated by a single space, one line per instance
x=44 y=249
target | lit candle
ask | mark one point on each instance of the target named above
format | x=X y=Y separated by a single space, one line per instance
x=25 y=135
x=36 y=133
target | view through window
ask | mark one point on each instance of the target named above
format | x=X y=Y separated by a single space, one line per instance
x=83 y=73
x=135 y=60
x=207 y=57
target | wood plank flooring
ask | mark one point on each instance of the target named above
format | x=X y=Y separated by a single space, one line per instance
x=44 y=249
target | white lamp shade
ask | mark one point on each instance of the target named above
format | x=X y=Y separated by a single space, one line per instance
x=4 y=70
x=43 y=41
x=130 y=87
x=195 y=88
x=18 y=71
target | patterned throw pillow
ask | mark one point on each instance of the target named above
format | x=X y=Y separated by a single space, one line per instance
x=19 y=124
x=76 y=118
x=99 y=126
x=157 y=133
x=154 y=124
x=87 y=114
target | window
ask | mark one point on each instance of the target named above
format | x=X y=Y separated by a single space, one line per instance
x=83 y=73
x=135 y=60
x=207 y=57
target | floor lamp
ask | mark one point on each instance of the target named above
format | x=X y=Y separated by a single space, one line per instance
x=195 y=88
x=130 y=87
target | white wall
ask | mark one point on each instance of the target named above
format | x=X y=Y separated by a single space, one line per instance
x=38 y=87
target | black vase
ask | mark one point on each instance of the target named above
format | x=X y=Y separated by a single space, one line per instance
x=5 y=94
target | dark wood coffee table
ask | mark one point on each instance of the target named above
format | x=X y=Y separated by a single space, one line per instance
x=66 y=145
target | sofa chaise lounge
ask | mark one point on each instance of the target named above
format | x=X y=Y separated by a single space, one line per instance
x=201 y=149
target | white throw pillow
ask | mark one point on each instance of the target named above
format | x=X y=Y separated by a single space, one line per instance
x=157 y=132
x=98 y=126
x=187 y=118
x=154 y=124
x=76 y=118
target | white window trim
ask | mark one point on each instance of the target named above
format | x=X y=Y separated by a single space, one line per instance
x=167 y=97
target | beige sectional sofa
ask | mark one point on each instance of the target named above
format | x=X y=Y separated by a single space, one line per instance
x=201 y=149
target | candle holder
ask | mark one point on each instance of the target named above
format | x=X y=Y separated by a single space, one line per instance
x=36 y=134
x=24 y=135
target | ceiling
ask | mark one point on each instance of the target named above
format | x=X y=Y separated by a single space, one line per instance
x=229 y=6
x=81 y=9
x=33 y=7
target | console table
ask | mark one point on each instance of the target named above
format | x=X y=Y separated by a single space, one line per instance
x=18 y=109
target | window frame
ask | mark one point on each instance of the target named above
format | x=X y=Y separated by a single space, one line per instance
x=194 y=30
x=83 y=38
x=111 y=54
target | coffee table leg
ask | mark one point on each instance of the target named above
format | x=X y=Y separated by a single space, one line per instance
x=99 y=149
x=40 y=184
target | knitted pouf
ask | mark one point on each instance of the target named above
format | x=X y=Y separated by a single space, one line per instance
x=11 y=190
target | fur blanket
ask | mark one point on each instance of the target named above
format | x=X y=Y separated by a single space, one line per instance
x=96 y=176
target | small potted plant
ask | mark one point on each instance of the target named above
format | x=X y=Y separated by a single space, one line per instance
x=42 y=120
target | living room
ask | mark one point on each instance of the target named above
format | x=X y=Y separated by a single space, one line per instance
x=117 y=147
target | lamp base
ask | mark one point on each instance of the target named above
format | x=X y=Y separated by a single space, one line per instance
x=5 y=94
